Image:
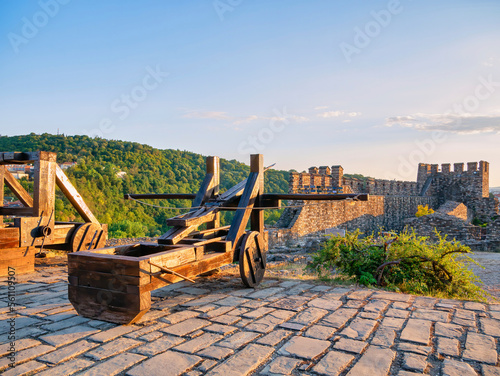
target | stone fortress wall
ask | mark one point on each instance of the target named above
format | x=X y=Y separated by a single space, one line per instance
x=392 y=204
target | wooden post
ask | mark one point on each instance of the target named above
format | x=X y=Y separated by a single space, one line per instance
x=213 y=167
x=44 y=185
x=2 y=169
x=247 y=201
x=257 y=217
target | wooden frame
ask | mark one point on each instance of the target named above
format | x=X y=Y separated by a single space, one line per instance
x=34 y=223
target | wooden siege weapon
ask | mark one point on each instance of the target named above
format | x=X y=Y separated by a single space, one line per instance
x=34 y=224
x=115 y=284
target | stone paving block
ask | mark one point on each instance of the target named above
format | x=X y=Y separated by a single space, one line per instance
x=265 y=293
x=304 y=347
x=184 y=327
x=242 y=323
x=215 y=312
x=333 y=363
x=292 y=326
x=204 y=300
x=221 y=329
x=464 y=322
x=309 y=316
x=27 y=354
x=226 y=319
x=29 y=368
x=282 y=365
x=409 y=347
x=199 y=343
x=293 y=303
x=238 y=340
x=216 y=352
x=465 y=314
x=399 y=313
x=238 y=311
x=320 y=332
x=243 y=362
x=495 y=307
x=21 y=344
x=490 y=370
x=490 y=326
x=375 y=305
x=350 y=345
x=359 y=294
x=151 y=336
x=114 y=365
x=158 y=346
x=298 y=289
x=67 y=368
x=21 y=322
x=394 y=296
x=113 y=333
x=288 y=284
x=275 y=337
x=369 y=315
x=354 y=304
x=376 y=361
x=448 y=346
x=113 y=348
x=258 y=313
x=495 y=315
x=448 y=330
x=455 y=368
x=193 y=290
x=327 y=304
x=475 y=306
x=401 y=305
x=414 y=362
x=231 y=301
x=408 y=373
x=68 y=352
x=253 y=304
x=424 y=302
x=384 y=337
x=418 y=331
x=431 y=315
x=59 y=325
x=145 y=330
x=338 y=318
x=151 y=315
x=177 y=317
x=30 y=331
x=270 y=321
x=206 y=365
x=359 y=328
x=319 y=288
x=480 y=348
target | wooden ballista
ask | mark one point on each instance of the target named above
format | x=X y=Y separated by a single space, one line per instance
x=115 y=284
x=34 y=223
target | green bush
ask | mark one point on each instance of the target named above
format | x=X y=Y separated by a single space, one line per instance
x=401 y=262
x=423 y=210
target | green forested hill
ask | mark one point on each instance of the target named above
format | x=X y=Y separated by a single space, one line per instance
x=148 y=170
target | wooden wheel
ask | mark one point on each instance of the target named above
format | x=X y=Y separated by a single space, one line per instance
x=252 y=259
x=87 y=236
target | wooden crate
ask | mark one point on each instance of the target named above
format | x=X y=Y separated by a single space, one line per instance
x=21 y=259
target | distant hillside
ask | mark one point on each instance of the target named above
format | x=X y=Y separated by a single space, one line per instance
x=107 y=169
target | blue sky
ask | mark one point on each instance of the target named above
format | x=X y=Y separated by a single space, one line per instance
x=376 y=86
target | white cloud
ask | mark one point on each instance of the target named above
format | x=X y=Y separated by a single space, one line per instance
x=217 y=115
x=491 y=62
x=461 y=124
x=320 y=108
x=330 y=114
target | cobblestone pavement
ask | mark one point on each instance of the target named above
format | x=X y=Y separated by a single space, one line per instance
x=217 y=327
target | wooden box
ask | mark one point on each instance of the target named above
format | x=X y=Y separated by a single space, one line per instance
x=22 y=260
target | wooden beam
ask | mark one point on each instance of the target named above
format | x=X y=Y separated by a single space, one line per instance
x=257 y=216
x=44 y=185
x=174 y=235
x=213 y=167
x=17 y=189
x=21 y=212
x=160 y=196
x=73 y=196
x=18 y=158
x=203 y=217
